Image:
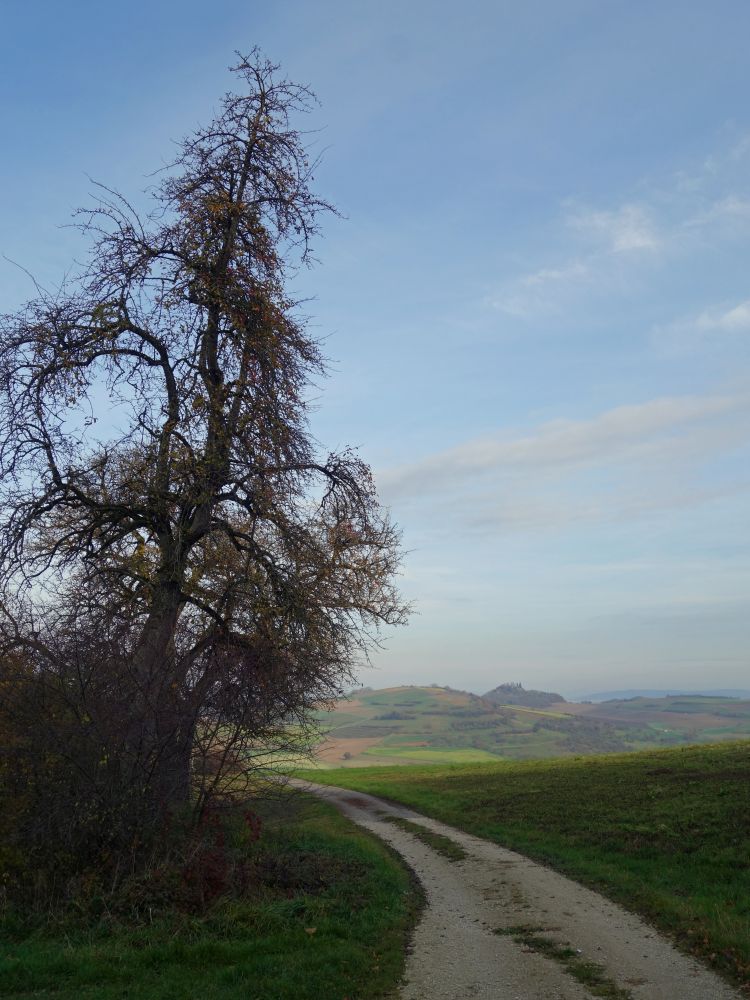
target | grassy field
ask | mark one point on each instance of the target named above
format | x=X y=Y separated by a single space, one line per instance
x=328 y=916
x=665 y=832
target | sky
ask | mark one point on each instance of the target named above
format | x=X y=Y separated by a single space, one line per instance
x=536 y=303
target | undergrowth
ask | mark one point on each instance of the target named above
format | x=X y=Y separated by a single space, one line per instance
x=313 y=907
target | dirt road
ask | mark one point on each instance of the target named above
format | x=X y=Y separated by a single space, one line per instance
x=462 y=948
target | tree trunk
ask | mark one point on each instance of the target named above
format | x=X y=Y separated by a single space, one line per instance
x=161 y=728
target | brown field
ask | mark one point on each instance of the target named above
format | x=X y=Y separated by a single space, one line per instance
x=332 y=750
x=670 y=720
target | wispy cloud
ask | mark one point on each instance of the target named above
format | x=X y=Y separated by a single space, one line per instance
x=622 y=230
x=729 y=209
x=524 y=296
x=617 y=249
x=736 y=318
x=559 y=443
x=575 y=271
x=604 y=242
x=689 y=333
x=623 y=463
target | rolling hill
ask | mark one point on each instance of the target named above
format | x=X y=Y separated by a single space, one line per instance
x=516 y=694
x=421 y=725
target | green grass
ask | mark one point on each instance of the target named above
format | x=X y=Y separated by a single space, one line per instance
x=591 y=974
x=428 y=756
x=443 y=845
x=328 y=919
x=666 y=832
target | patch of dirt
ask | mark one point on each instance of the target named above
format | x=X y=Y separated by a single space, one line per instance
x=333 y=749
x=354 y=800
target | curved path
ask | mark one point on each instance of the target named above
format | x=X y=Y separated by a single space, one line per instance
x=457 y=951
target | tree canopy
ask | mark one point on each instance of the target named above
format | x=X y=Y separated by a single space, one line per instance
x=177 y=559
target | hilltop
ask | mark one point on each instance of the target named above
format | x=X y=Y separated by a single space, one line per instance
x=515 y=694
x=439 y=725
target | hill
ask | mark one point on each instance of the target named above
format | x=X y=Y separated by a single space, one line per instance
x=674 y=719
x=515 y=694
x=664 y=693
x=417 y=725
x=420 y=725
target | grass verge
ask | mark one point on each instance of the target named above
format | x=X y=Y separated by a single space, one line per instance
x=443 y=845
x=327 y=917
x=666 y=832
x=590 y=974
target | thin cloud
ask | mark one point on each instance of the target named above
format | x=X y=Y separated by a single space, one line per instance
x=575 y=271
x=614 y=240
x=732 y=209
x=629 y=464
x=607 y=251
x=690 y=333
x=737 y=318
x=559 y=444
x=628 y=503
x=547 y=286
x=624 y=230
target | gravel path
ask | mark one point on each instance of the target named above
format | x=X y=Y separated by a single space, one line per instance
x=456 y=952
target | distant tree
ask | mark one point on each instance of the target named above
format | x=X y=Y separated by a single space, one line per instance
x=179 y=565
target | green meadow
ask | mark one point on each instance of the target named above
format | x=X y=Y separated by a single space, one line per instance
x=665 y=832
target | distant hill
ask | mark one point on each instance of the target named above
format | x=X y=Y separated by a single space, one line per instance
x=423 y=725
x=438 y=725
x=643 y=693
x=515 y=694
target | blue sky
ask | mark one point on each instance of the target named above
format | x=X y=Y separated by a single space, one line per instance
x=537 y=305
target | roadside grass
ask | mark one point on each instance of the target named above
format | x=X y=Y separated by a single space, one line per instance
x=329 y=917
x=665 y=832
x=591 y=974
x=443 y=845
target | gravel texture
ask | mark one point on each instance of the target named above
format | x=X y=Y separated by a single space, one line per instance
x=456 y=951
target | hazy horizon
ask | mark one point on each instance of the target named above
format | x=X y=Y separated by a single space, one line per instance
x=570 y=695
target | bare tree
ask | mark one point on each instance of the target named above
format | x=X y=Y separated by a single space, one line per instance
x=225 y=575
